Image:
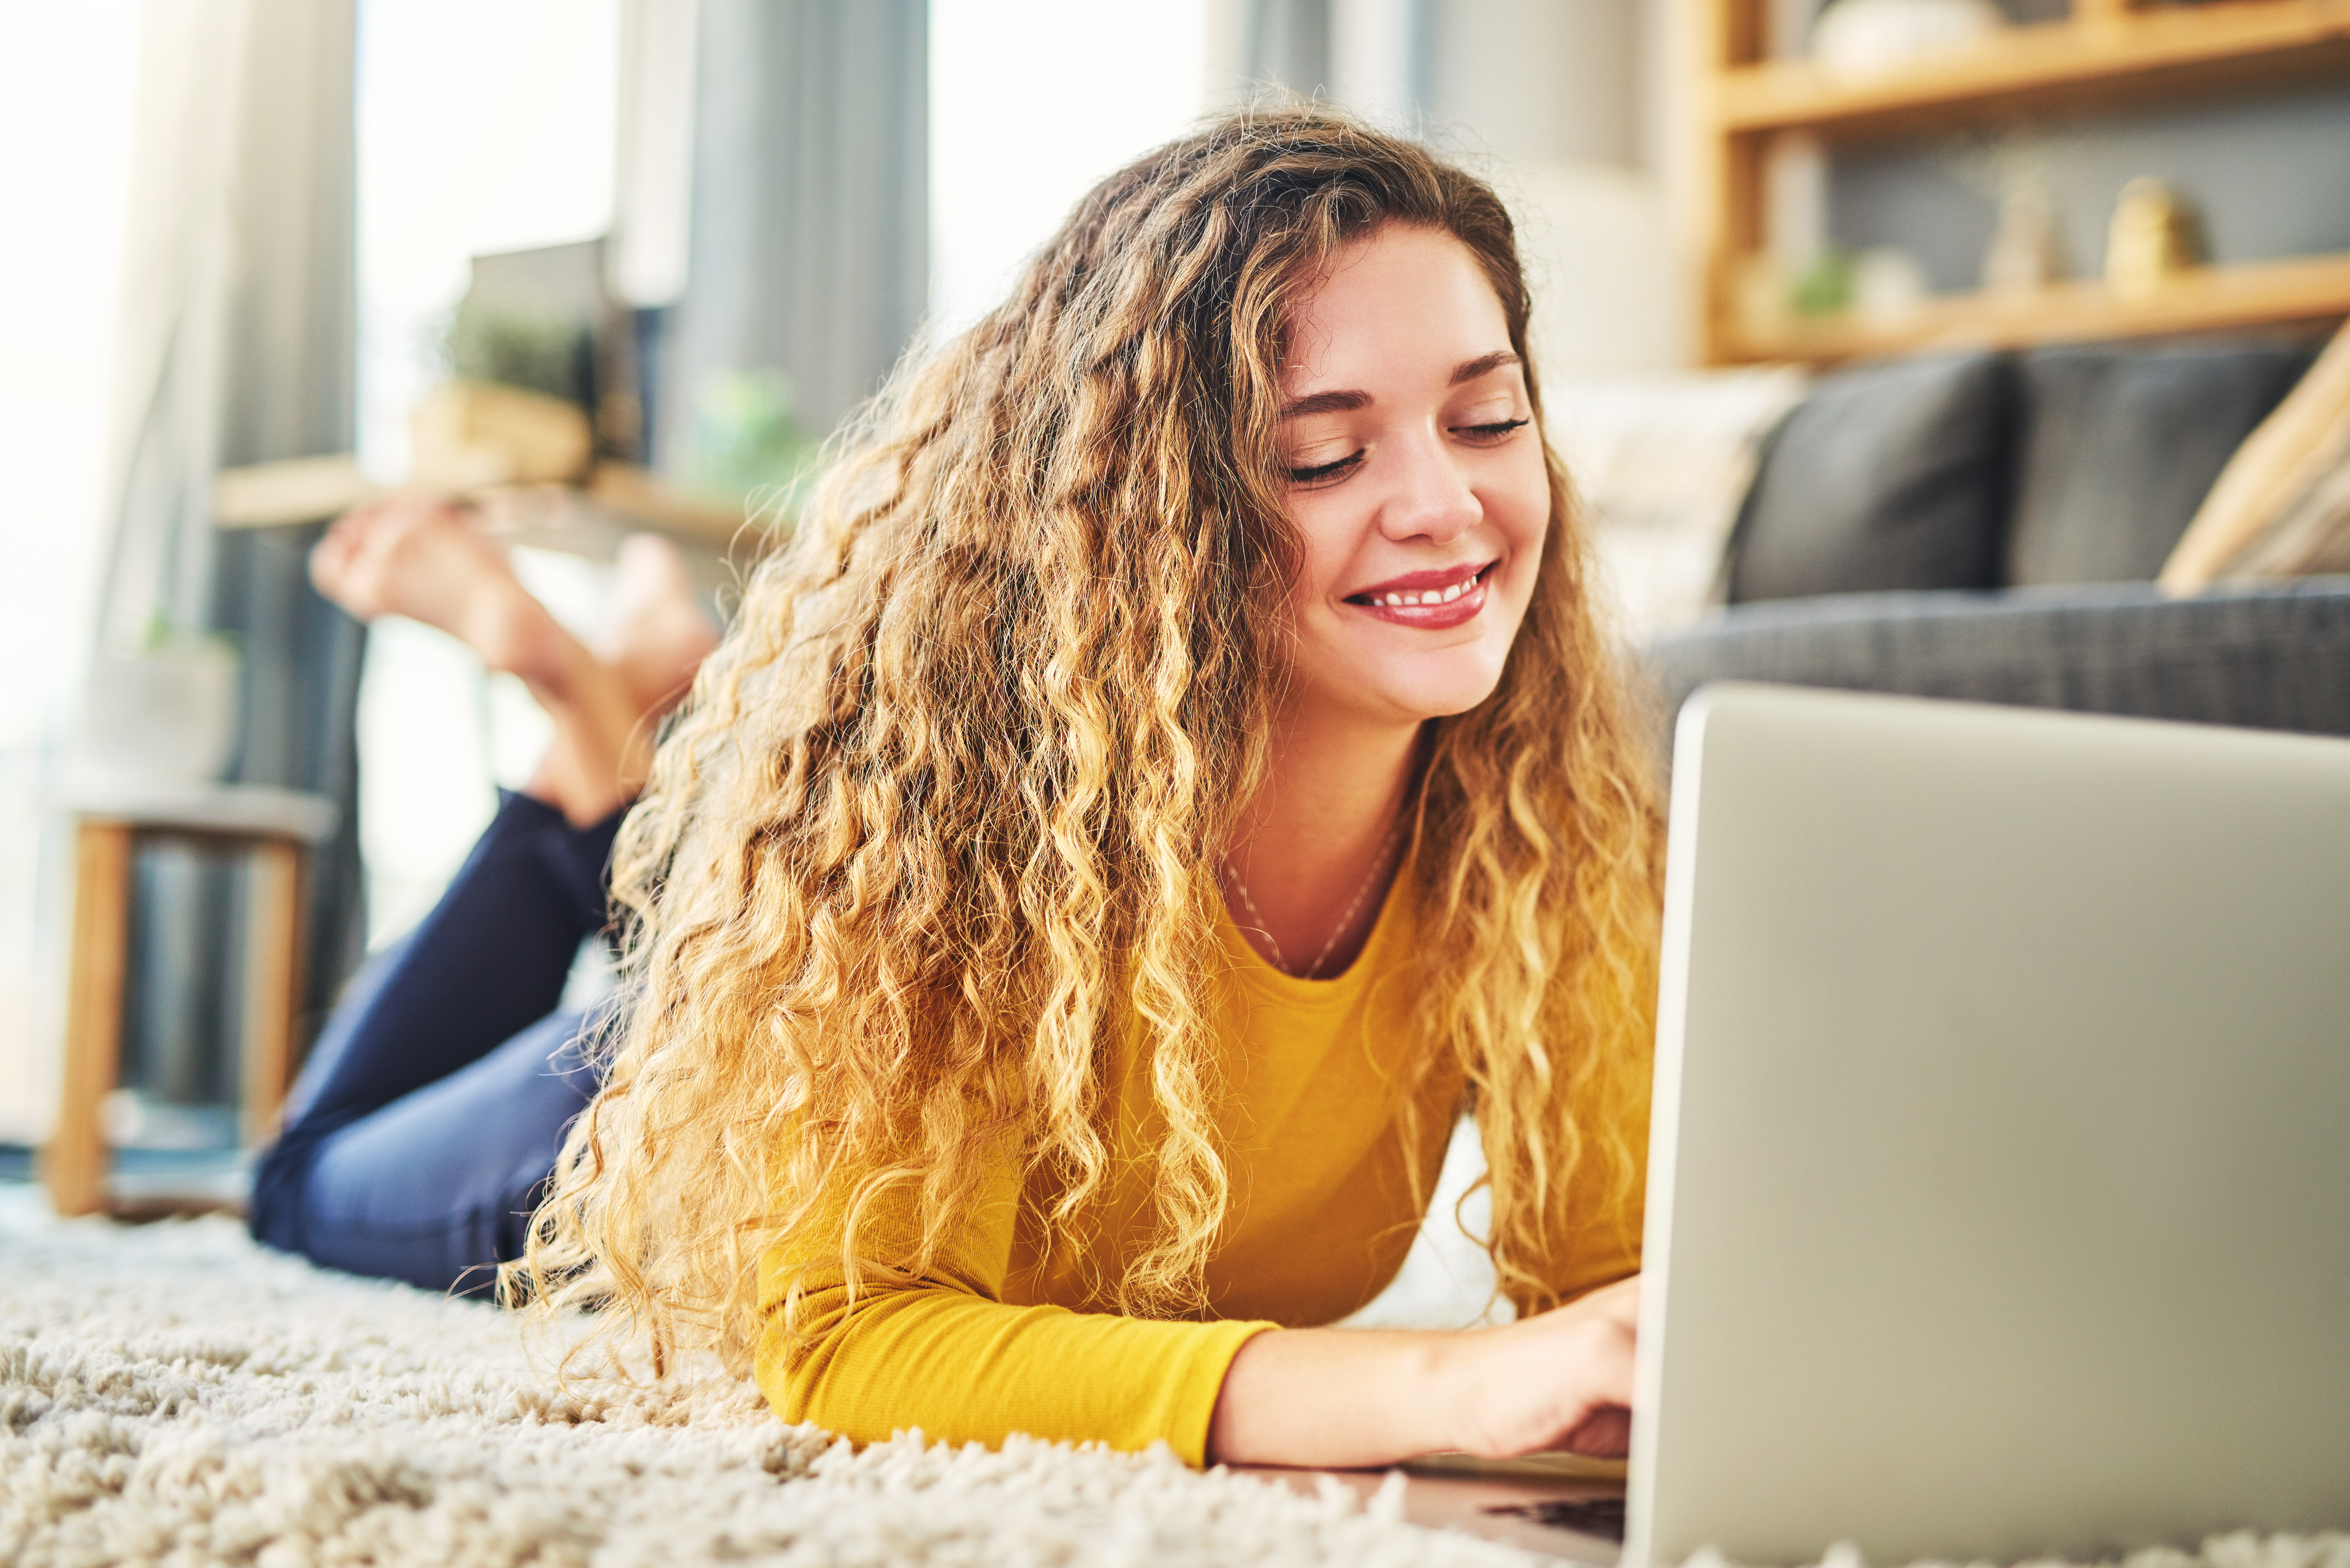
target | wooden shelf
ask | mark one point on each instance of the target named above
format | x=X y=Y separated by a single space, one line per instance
x=2116 y=57
x=2111 y=52
x=2311 y=288
x=589 y=518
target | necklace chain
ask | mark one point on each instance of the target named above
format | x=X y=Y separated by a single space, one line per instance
x=1345 y=920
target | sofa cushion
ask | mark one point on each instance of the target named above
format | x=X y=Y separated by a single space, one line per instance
x=2118 y=445
x=1888 y=476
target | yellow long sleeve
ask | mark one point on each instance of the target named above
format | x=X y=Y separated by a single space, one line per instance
x=948 y=1356
x=1332 y=1148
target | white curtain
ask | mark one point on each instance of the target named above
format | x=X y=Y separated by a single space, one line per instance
x=652 y=174
x=236 y=344
x=235 y=341
x=1287 y=42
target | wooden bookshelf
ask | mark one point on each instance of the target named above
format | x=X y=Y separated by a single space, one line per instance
x=2126 y=56
x=2263 y=293
x=2109 y=55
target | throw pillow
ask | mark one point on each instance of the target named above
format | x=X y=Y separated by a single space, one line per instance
x=1891 y=476
x=1660 y=465
x=2118 y=445
x=2281 y=506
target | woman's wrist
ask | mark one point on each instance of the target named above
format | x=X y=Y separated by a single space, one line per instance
x=1462 y=1364
x=1335 y=1397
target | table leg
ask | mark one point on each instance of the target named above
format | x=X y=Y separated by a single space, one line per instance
x=273 y=983
x=74 y=1164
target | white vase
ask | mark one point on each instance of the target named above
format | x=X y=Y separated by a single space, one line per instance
x=1859 y=37
x=164 y=717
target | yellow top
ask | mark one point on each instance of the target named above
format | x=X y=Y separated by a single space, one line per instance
x=1323 y=1207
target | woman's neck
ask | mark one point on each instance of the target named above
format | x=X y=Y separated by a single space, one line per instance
x=1314 y=851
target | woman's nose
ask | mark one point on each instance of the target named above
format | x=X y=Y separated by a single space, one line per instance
x=1431 y=498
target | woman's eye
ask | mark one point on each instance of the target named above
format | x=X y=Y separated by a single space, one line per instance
x=1327 y=473
x=1494 y=432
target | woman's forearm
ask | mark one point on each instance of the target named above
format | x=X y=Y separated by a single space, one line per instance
x=1341 y=1398
x=1333 y=1397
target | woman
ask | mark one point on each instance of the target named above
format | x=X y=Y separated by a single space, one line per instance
x=1173 y=773
x=1175 y=768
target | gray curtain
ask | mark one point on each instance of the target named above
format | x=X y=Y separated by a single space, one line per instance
x=238 y=346
x=1287 y=43
x=809 y=235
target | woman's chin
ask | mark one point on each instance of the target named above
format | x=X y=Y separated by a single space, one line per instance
x=1452 y=702
x=1412 y=694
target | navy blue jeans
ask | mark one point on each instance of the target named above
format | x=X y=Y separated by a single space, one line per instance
x=422 y=1132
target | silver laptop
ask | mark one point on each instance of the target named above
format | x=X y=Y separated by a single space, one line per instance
x=1999 y=1193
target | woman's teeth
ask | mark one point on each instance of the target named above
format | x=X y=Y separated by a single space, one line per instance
x=1433 y=597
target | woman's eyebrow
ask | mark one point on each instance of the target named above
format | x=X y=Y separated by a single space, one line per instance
x=1483 y=365
x=1347 y=401
x=1325 y=404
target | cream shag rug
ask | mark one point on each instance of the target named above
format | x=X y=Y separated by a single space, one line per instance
x=174 y=1395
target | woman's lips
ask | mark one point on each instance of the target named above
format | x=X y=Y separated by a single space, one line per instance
x=1468 y=601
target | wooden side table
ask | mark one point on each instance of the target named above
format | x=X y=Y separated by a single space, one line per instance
x=277 y=828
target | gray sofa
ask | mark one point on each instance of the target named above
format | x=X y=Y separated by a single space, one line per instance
x=1969 y=526
x=2272 y=658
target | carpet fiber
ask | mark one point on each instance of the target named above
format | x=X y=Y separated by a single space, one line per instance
x=172 y=1395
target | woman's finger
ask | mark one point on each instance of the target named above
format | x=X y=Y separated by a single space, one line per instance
x=1605 y=1434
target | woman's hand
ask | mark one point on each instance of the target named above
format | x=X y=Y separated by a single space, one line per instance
x=1348 y=1397
x=1560 y=1380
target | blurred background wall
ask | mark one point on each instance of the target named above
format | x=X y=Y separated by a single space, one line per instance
x=276 y=206
x=67 y=83
x=1564 y=104
x=253 y=223
x=221 y=313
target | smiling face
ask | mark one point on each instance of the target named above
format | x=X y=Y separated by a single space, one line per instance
x=1415 y=480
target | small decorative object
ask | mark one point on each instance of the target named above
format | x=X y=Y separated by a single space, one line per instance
x=1824 y=286
x=2023 y=256
x=1889 y=286
x=745 y=438
x=1882 y=285
x=165 y=715
x=1860 y=37
x=2152 y=238
x=467 y=434
x=537 y=350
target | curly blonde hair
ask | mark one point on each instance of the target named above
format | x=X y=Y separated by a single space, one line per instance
x=948 y=802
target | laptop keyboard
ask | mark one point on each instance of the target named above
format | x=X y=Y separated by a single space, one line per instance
x=1599 y=1516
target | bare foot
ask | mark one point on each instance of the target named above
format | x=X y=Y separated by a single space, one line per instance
x=415 y=557
x=419 y=557
x=656 y=634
